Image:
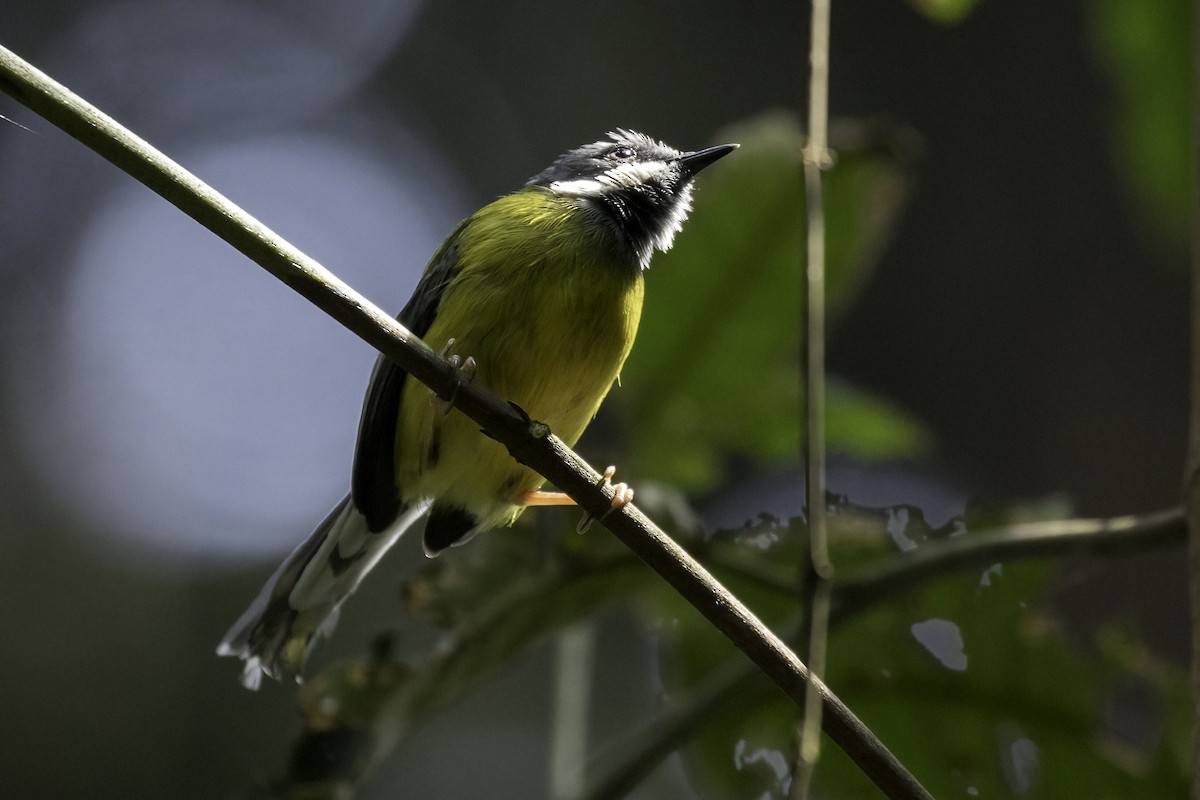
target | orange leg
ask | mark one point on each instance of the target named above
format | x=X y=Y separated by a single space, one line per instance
x=543 y=499
x=622 y=496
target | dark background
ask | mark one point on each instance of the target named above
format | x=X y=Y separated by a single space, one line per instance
x=161 y=445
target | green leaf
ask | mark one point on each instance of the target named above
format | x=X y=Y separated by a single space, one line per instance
x=1147 y=51
x=868 y=426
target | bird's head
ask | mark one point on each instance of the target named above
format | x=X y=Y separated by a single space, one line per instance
x=639 y=187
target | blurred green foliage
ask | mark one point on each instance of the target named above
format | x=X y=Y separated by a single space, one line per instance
x=716 y=369
x=1015 y=712
x=1146 y=49
x=944 y=11
x=486 y=603
x=1010 y=709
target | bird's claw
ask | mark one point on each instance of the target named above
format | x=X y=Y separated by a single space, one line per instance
x=622 y=496
x=465 y=371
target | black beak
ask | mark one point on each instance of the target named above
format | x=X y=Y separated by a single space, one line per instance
x=693 y=162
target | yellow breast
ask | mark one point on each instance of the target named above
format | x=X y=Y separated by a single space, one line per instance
x=549 y=312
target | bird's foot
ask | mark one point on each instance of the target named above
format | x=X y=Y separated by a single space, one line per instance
x=622 y=496
x=465 y=371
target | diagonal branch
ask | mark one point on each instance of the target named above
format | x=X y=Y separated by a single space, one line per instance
x=529 y=442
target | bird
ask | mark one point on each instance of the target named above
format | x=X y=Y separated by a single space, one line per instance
x=537 y=296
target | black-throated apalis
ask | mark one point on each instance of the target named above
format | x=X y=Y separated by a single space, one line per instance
x=540 y=292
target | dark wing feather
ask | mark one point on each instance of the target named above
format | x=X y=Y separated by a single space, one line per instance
x=373 y=482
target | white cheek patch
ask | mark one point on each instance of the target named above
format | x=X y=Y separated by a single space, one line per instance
x=580 y=187
x=619 y=177
x=630 y=175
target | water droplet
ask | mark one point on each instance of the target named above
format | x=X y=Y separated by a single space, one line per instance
x=994 y=570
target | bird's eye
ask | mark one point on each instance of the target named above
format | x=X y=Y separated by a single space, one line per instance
x=622 y=152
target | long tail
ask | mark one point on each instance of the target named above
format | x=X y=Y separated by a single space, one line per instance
x=302 y=598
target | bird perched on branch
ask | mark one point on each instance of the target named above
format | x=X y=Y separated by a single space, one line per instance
x=537 y=295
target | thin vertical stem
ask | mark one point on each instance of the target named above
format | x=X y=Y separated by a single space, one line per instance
x=1191 y=484
x=819 y=571
x=573 y=654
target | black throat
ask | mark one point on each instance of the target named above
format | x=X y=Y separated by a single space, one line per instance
x=637 y=216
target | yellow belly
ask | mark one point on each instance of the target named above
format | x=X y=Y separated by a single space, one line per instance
x=552 y=340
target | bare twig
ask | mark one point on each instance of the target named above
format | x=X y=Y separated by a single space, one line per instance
x=1108 y=536
x=530 y=442
x=819 y=570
